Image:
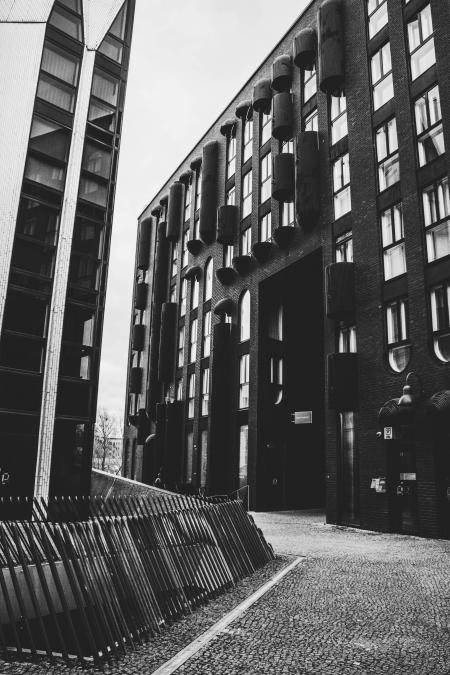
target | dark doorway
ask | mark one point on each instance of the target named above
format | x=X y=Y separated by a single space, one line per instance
x=291 y=407
x=402 y=482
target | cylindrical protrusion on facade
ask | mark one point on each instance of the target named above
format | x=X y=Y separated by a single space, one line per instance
x=262 y=95
x=175 y=211
x=161 y=265
x=145 y=231
x=227 y=222
x=227 y=126
x=208 y=204
x=138 y=337
x=283 y=177
x=282 y=73
x=141 y=296
x=305 y=48
x=307 y=179
x=282 y=117
x=340 y=289
x=166 y=364
x=242 y=109
x=331 y=47
x=342 y=381
x=135 y=380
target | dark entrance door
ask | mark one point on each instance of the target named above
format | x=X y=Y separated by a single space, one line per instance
x=443 y=483
x=403 y=485
x=291 y=456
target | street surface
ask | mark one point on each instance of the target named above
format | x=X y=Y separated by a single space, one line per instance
x=360 y=603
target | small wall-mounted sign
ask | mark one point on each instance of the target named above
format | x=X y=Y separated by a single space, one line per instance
x=4 y=478
x=378 y=484
x=388 y=433
x=408 y=476
x=302 y=417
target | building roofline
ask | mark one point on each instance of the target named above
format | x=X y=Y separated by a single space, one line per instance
x=308 y=5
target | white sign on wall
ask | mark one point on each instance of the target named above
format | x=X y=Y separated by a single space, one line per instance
x=302 y=417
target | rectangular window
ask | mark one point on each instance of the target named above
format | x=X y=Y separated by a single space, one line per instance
x=193 y=341
x=38 y=221
x=206 y=344
x=184 y=249
x=191 y=395
x=344 y=247
x=287 y=146
x=440 y=320
x=183 y=297
x=309 y=84
x=231 y=153
x=205 y=392
x=96 y=160
x=111 y=48
x=421 y=42
x=392 y=237
x=436 y=213
x=49 y=139
x=187 y=201
x=265 y=227
x=105 y=87
x=341 y=186
x=45 y=173
x=287 y=214
x=382 y=84
x=378 y=16
x=338 y=118
x=311 y=122
x=195 y=293
x=387 y=154
x=58 y=78
x=266 y=127
x=196 y=230
x=243 y=455
x=230 y=197
x=203 y=457
x=174 y=260
x=397 y=335
x=430 y=136
x=66 y=22
x=248 y=139
x=179 y=391
x=173 y=294
x=228 y=253
x=265 y=176
x=180 y=352
x=198 y=188
x=346 y=338
x=247 y=183
x=189 y=456
x=244 y=379
x=246 y=241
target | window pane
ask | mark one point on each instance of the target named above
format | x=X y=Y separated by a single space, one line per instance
x=45 y=173
x=378 y=20
x=96 y=160
x=342 y=202
x=102 y=115
x=383 y=92
x=243 y=455
x=92 y=191
x=245 y=317
x=423 y=59
x=66 y=22
x=59 y=64
x=56 y=93
x=394 y=261
x=431 y=145
x=438 y=241
x=105 y=87
x=389 y=172
x=37 y=221
x=118 y=25
x=49 y=139
x=112 y=48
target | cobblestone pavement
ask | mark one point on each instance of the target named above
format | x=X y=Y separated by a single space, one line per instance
x=361 y=603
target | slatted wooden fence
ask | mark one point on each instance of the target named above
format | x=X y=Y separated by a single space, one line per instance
x=91 y=578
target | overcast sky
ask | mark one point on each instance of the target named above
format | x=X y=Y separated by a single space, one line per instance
x=188 y=60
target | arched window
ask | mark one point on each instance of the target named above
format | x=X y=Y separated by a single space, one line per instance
x=244 y=317
x=208 y=279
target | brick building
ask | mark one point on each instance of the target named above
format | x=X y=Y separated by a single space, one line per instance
x=290 y=325
x=63 y=72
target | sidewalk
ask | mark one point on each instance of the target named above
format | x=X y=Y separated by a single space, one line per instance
x=360 y=603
